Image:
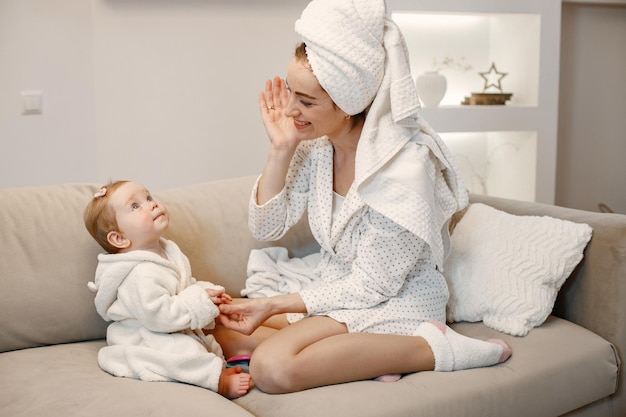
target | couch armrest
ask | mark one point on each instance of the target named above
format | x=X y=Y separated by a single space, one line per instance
x=594 y=295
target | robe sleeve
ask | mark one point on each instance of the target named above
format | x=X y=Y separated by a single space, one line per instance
x=151 y=297
x=273 y=219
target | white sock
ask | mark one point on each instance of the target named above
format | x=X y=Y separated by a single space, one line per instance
x=454 y=351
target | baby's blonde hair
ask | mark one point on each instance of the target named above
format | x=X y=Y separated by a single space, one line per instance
x=99 y=217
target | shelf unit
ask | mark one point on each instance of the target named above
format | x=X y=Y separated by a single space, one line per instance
x=510 y=149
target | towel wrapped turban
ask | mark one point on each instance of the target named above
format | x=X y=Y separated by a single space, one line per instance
x=344 y=45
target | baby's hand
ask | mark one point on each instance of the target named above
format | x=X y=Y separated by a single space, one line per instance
x=218 y=296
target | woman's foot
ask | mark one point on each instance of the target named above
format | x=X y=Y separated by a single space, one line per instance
x=388 y=378
x=454 y=352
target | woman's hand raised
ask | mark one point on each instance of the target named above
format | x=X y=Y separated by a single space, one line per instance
x=273 y=105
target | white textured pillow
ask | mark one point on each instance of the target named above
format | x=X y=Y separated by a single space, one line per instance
x=506 y=270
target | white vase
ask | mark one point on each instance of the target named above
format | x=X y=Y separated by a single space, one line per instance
x=431 y=87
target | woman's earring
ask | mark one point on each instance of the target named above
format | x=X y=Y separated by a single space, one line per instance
x=348 y=117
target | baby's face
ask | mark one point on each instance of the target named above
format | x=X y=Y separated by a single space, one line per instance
x=139 y=217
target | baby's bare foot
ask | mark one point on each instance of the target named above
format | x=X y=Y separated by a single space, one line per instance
x=233 y=383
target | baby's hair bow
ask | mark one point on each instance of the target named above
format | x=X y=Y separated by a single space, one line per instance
x=100 y=193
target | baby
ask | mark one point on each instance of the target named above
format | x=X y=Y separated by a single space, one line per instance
x=144 y=286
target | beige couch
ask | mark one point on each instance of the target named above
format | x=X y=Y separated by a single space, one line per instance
x=50 y=333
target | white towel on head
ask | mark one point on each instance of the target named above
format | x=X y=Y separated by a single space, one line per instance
x=403 y=168
x=344 y=45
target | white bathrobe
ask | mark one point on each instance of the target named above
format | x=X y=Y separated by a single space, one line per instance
x=158 y=311
x=371 y=273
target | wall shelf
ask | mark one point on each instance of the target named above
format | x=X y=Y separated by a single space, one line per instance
x=482 y=118
x=523 y=40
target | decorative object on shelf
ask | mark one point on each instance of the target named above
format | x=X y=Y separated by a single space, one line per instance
x=432 y=85
x=493 y=78
x=487 y=99
x=489 y=75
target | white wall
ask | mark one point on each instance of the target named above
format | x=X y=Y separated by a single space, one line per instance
x=177 y=83
x=159 y=91
x=47 y=45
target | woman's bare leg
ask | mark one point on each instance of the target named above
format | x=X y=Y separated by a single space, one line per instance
x=318 y=351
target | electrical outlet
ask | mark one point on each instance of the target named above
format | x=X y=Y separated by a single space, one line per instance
x=32 y=102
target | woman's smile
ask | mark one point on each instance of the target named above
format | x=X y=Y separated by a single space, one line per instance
x=300 y=124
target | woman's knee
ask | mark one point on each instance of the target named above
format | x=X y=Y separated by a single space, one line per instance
x=273 y=374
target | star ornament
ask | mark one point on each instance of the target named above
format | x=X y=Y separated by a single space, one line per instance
x=493 y=78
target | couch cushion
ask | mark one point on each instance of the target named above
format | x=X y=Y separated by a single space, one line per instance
x=47 y=259
x=64 y=380
x=558 y=367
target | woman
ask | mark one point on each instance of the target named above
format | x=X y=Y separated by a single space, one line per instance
x=379 y=186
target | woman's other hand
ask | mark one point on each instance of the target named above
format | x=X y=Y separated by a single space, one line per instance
x=246 y=315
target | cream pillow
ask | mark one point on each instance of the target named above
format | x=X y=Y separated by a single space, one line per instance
x=506 y=270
